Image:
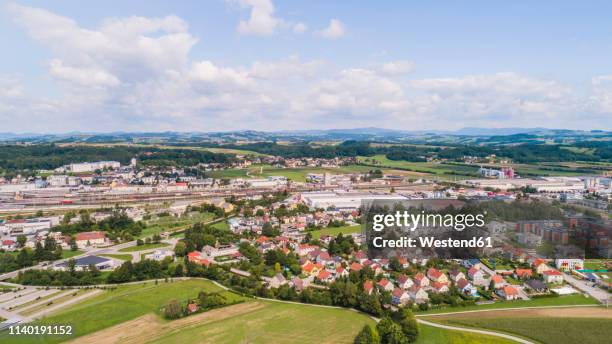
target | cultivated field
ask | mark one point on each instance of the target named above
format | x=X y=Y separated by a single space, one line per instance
x=250 y=322
x=586 y=325
x=123 y=304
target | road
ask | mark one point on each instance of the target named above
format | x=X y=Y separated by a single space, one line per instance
x=584 y=286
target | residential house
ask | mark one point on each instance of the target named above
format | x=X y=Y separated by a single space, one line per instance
x=456 y=275
x=196 y=257
x=439 y=287
x=436 y=275
x=325 y=276
x=276 y=281
x=536 y=285
x=385 y=285
x=498 y=281
x=466 y=287
x=478 y=278
x=160 y=255
x=418 y=294
x=356 y=267
x=508 y=293
x=86 y=239
x=421 y=280
x=404 y=282
x=553 y=276
x=368 y=287
x=400 y=297
x=540 y=265
x=523 y=273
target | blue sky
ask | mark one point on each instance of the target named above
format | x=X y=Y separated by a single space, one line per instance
x=267 y=65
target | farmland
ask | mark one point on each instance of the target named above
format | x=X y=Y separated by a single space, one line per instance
x=563 y=325
x=432 y=335
x=122 y=304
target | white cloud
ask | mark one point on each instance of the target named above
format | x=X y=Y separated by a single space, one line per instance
x=135 y=73
x=395 y=68
x=334 y=30
x=300 y=28
x=83 y=76
x=261 y=20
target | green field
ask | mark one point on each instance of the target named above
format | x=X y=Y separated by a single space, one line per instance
x=143 y=247
x=568 y=300
x=277 y=323
x=548 y=330
x=117 y=256
x=170 y=223
x=70 y=254
x=434 y=335
x=294 y=174
x=122 y=304
x=334 y=231
x=447 y=171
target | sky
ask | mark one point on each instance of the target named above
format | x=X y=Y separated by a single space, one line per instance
x=229 y=65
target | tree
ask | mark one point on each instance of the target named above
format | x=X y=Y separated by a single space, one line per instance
x=180 y=249
x=390 y=332
x=409 y=325
x=173 y=309
x=367 y=335
x=21 y=240
x=73 y=245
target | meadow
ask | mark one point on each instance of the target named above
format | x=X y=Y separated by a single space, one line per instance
x=548 y=330
x=122 y=304
x=567 y=300
x=334 y=231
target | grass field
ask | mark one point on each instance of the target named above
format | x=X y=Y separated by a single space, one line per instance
x=118 y=256
x=334 y=231
x=548 y=330
x=170 y=223
x=446 y=171
x=122 y=304
x=433 y=335
x=276 y=323
x=143 y=247
x=568 y=300
x=70 y=254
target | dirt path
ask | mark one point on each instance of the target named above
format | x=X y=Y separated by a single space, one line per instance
x=150 y=327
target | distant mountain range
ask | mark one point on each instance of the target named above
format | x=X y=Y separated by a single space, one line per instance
x=464 y=135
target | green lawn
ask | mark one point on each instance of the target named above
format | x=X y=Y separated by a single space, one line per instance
x=434 y=335
x=221 y=225
x=276 y=323
x=118 y=256
x=568 y=300
x=170 y=223
x=143 y=247
x=122 y=304
x=70 y=254
x=548 y=330
x=334 y=231
x=445 y=170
